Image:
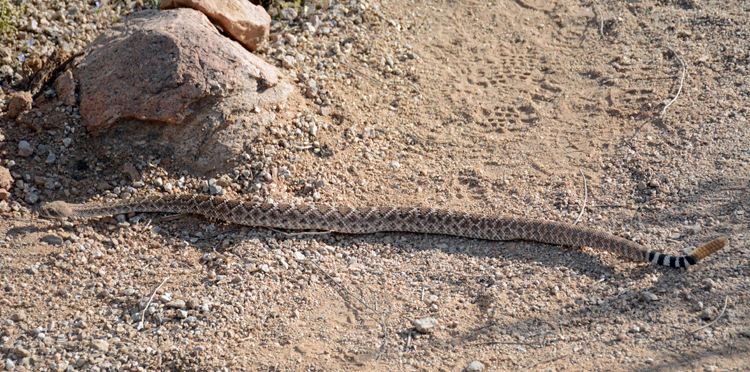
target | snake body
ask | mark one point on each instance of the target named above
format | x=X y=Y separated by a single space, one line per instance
x=365 y=220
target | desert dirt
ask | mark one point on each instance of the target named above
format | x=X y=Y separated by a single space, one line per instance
x=527 y=108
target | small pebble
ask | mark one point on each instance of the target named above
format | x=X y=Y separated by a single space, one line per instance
x=18 y=317
x=175 y=304
x=288 y=14
x=99 y=344
x=215 y=189
x=475 y=366
x=647 y=296
x=425 y=325
x=193 y=304
x=21 y=352
x=52 y=239
x=698 y=306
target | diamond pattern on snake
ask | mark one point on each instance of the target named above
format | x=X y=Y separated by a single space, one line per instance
x=366 y=220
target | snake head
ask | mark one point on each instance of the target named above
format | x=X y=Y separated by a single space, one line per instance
x=55 y=210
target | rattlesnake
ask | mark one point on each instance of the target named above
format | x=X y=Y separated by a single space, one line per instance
x=364 y=220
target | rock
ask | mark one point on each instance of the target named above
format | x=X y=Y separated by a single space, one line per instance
x=9 y=365
x=182 y=314
x=215 y=189
x=698 y=306
x=288 y=14
x=243 y=21
x=4 y=195
x=315 y=20
x=175 y=304
x=709 y=284
x=288 y=62
x=99 y=344
x=647 y=296
x=224 y=181
x=6 y=180
x=475 y=366
x=193 y=304
x=31 y=198
x=21 y=352
x=425 y=325
x=167 y=297
x=24 y=149
x=707 y=313
x=19 y=103
x=65 y=87
x=195 y=107
x=162 y=89
x=18 y=317
x=52 y=239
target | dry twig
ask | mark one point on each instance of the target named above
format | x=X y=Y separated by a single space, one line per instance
x=726 y=299
x=682 y=79
x=150 y=299
x=585 y=196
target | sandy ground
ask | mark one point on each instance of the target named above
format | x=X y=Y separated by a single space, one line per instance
x=489 y=107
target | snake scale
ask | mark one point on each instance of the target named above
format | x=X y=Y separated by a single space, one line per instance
x=365 y=220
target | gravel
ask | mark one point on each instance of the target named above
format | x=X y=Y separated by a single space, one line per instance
x=368 y=137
